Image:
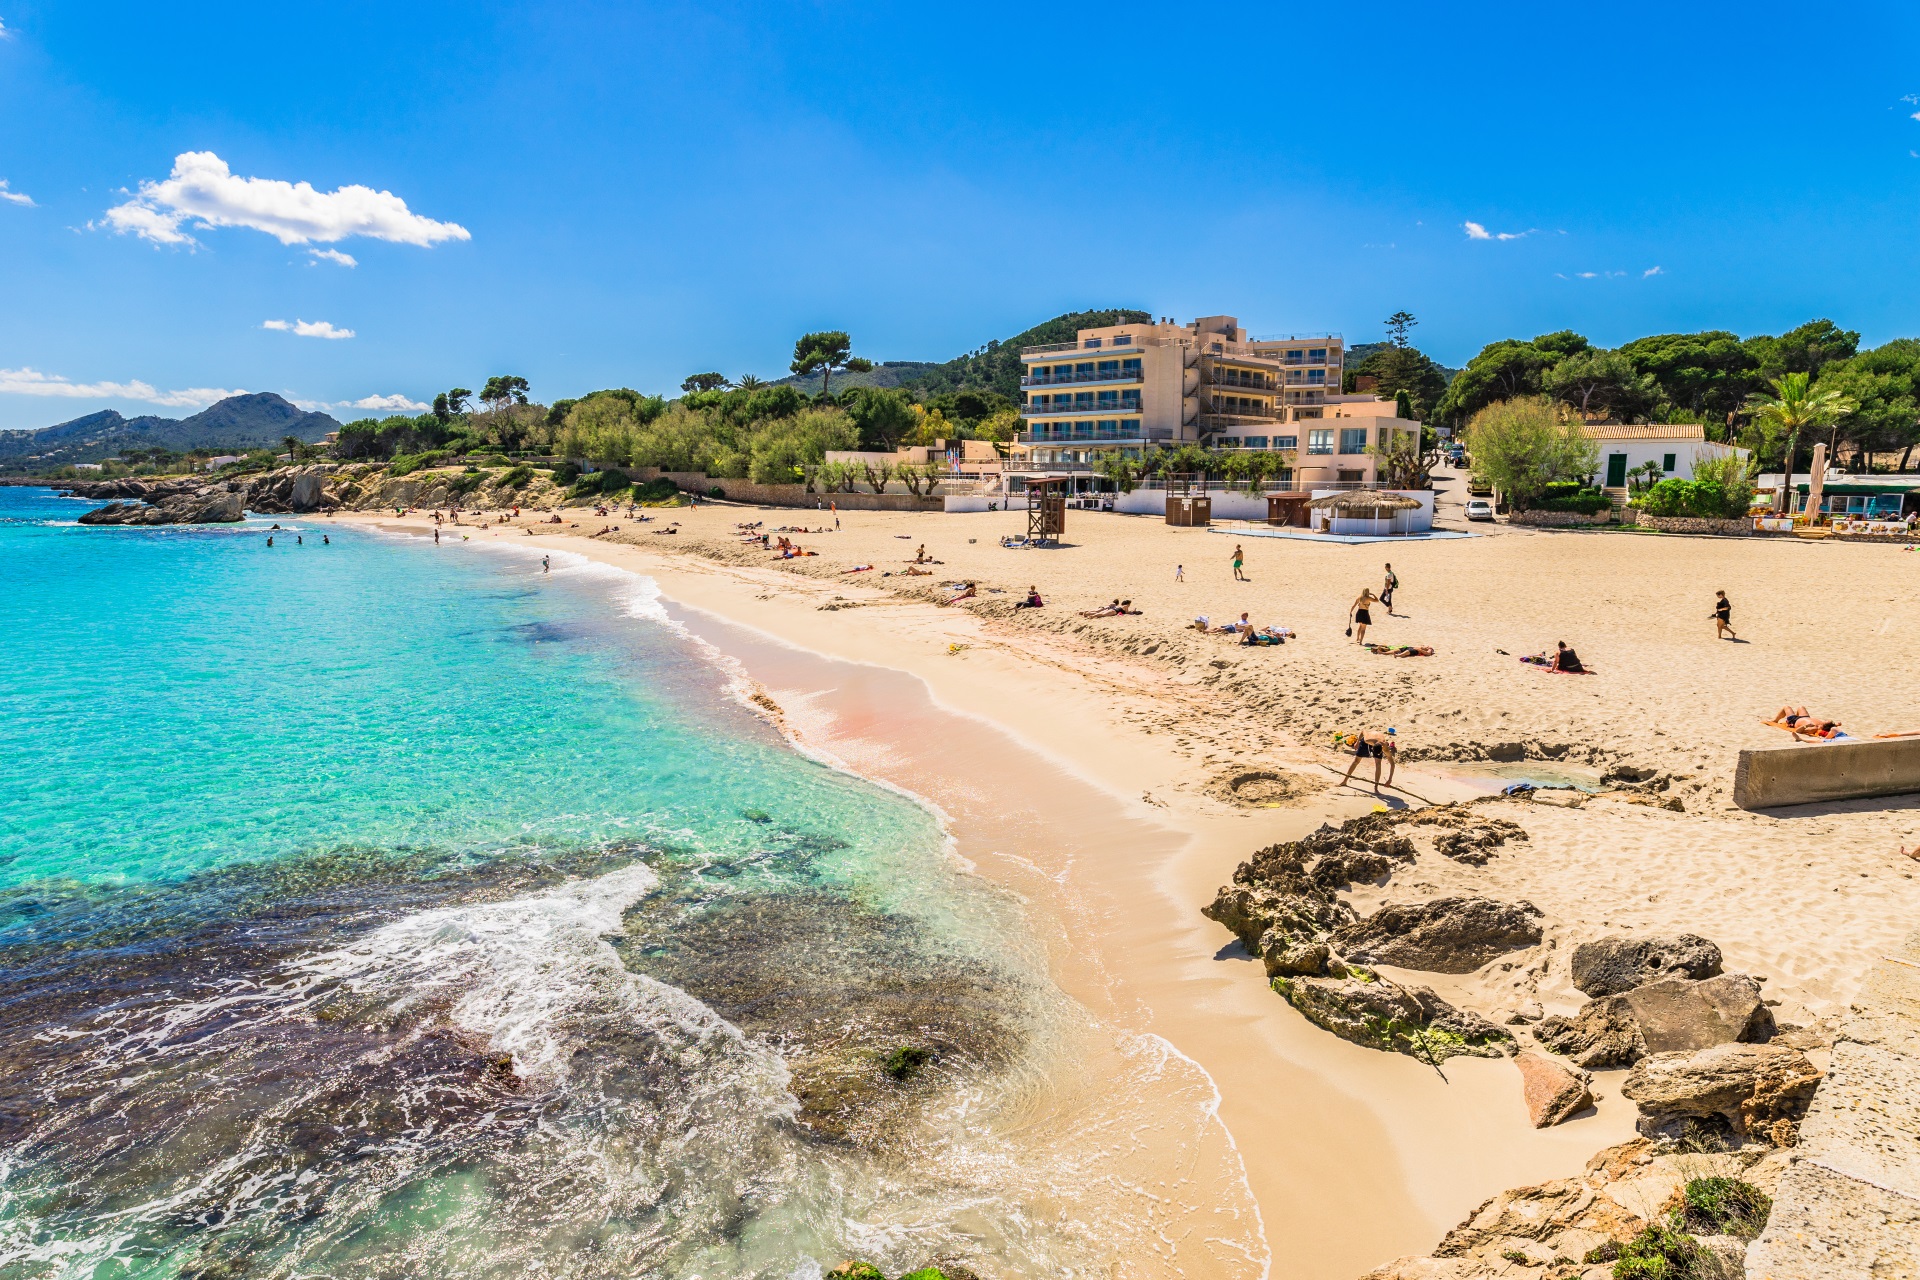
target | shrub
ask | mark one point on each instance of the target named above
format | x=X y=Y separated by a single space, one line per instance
x=565 y=474
x=1660 y=1253
x=1572 y=495
x=405 y=464
x=658 y=492
x=516 y=477
x=1700 y=499
x=716 y=492
x=462 y=485
x=1725 y=1206
x=1522 y=446
x=601 y=484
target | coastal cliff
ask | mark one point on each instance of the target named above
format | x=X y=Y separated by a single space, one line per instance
x=304 y=489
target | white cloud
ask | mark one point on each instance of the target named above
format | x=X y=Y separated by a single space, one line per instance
x=1914 y=116
x=308 y=328
x=333 y=255
x=1653 y=271
x=4 y=33
x=385 y=402
x=1475 y=231
x=14 y=197
x=31 y=382
x=204 y=191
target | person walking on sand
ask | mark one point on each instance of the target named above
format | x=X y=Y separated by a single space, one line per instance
x=1239 y=559
x=1359 y=616
x=1386 y=591
x=1723 y=617
x=1363 y=743
x=1179 y=573
x=835 y=505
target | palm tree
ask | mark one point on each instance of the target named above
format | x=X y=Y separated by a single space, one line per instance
x=749 y=383
x=293 y=447
x=1794 y=407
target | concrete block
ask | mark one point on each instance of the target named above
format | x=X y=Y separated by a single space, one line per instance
x=1807 y=773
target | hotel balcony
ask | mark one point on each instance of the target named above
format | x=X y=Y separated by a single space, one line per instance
x=1108 y=408
x=1224 y=421
x=1132 y=434
x=1133 y=375
x=1225 y=378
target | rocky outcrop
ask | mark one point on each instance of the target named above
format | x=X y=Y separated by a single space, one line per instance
x=1671 y=1016
x=130 y=489
x=1611 y=965
x=208 y=506
x=1757 y=1091
x=1848 y=1207
x=290 y=490
x=1566 y=1228
x=1446 y=935
x=1370 y=1010
x=1554 y=1091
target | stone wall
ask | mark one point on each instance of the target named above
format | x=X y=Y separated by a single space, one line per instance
x=1558 y=519
x=1770 y=777
x=1695 y=524
x=786 y=495
x=1848 y=1207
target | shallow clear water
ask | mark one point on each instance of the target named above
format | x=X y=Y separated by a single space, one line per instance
x=370 y=908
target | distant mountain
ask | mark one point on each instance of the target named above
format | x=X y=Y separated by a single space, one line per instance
x=888 y=373
x=994 y=367
x=260 y=420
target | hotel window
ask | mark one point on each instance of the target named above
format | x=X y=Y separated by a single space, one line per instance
x=1092 y=344
x=1083 y=398
x=1061 y=372
x=1317 y=356
x=1131 y=399
x=1286 y=442
x=1296 y=357
x=1130 y=366
x=1109 y=399
x=1109 y=368
x=1086 y=368
x=1353 y=439
x=1122 y=339
x=1256 y=442
x=1666 y=463
x=1317 y=376
x=1320 y=441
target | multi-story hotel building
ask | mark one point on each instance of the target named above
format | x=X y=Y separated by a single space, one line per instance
x=1129 y=387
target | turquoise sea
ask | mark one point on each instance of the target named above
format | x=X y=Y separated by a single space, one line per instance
x=370 y=908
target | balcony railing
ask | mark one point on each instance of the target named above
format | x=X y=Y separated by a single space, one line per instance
x=1079 y=437
x=1125 y=375
x=1091 y=410
x=1220 y=421
x=1251 y=384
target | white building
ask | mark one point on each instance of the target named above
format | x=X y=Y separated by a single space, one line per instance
x=1627 y=448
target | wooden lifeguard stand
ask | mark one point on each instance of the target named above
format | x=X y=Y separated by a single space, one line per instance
x=1046 y=509
x=1185 y=507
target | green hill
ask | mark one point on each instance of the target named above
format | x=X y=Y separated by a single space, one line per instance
x=259 y=420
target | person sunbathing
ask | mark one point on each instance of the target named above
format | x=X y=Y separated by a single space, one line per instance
x=967 y=591
x=1033 y=600
x=1802 y=724
x=1104 y=611
x=911 y=572
x=859 y=568
x=1401 y=650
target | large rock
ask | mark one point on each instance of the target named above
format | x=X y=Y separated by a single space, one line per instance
x=1747 y=1090
x=1672 y=1016
x=1554 y=1091
x=1611 y=965
x=1380 y=1014
x=206 y=506
x=1447 y=935
x=309 y=487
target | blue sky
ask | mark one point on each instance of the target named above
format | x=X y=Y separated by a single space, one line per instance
x=595 y=194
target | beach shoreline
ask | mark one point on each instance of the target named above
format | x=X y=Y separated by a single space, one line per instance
x=1353 y=1156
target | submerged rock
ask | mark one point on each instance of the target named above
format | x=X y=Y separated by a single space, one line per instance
x=1611 y=965
x=1553 y=1091
x=1446 y=935
x=1381 y=1014
x=1743 y=1090
x=204 y=507
x=1671 y=1016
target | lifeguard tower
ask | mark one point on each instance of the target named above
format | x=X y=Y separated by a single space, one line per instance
x=1185 y=507
x=1046 y=509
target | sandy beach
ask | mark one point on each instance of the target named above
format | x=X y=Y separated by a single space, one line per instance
x=1090 y=766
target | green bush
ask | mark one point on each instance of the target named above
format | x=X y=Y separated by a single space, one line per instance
x=516 y=477
x=1660 y=1253
x=405 y=464
x=1572 y=496
x=1725 y=1206
x=1699 y=499
x=565 y=474
x=601 y=484
x=462 y=485
x=658 y=492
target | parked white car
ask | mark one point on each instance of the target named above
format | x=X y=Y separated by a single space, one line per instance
x=1479 y=509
